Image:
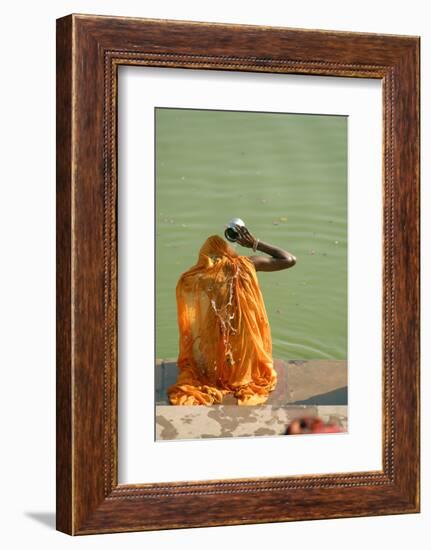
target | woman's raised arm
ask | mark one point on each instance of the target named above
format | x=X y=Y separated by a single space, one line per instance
x=278 y=258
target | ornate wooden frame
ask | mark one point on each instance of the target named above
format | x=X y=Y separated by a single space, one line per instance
x=89 y=51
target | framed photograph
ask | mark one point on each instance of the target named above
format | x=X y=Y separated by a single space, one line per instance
x=237 y=264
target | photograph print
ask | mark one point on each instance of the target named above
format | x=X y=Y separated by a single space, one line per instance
x=251 y=274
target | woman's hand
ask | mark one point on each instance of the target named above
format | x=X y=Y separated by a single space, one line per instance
x=245 y=238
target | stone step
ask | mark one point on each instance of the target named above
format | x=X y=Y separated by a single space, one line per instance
x=300 y=382
x=225 y=421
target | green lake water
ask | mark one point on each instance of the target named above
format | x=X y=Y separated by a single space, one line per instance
x=285 y=175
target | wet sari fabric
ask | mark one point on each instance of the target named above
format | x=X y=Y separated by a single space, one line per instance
x=224 y=335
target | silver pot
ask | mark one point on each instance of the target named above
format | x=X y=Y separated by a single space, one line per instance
x=231 y=232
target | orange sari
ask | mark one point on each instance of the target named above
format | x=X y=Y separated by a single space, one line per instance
x=224 y=336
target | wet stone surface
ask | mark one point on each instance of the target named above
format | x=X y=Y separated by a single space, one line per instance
x=173 y=423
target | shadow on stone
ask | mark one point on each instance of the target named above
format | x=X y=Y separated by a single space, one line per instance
x=334 y=397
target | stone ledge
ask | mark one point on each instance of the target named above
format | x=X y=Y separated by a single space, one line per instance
x=221 y=421
x=300 y=382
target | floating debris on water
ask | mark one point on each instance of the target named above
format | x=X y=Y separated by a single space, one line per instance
x=275 y=222
x=312 y=252
x=336 y=242
x=277 y=311
x=283 y=218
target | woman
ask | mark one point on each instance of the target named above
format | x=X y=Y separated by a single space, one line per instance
x=225 y=339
